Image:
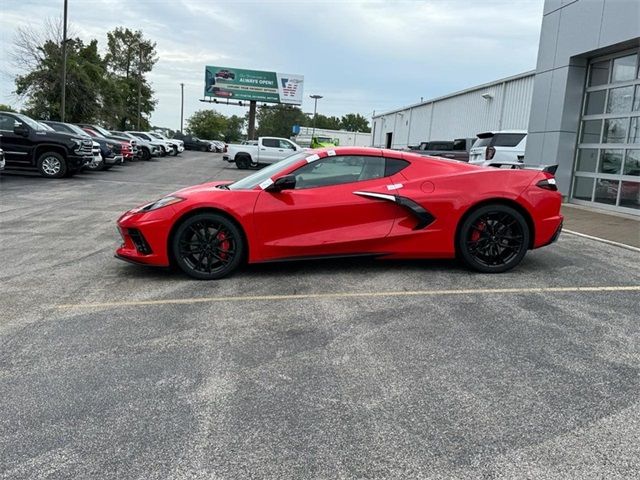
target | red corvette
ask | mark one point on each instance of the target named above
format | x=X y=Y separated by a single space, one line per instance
x=347 y=202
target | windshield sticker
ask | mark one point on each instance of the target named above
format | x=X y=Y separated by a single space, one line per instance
x=331 y=153
x=313 y=158
x=266 y=184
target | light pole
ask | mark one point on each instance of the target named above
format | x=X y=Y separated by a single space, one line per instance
x=315 y=111
x=64 y=63
x=181 y=105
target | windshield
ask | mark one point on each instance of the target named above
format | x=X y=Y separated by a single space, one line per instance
x=257 y=178
x=76 y=129
x=101 y=131
x=324 y=139
x=32 y=123
x=157 y=135
x=46 y=127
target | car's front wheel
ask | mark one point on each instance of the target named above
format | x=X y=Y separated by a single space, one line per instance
x=243 y=162
x=493 y=238
x=208 y=246
x=52 y=165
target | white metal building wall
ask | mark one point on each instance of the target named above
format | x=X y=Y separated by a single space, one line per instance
x=505 y=105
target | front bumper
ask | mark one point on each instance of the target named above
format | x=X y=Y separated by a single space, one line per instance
x=114 y=160
x=145 y=237
x=79 y=161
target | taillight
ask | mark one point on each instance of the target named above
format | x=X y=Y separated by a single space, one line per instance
x=489 y=153
x=548 y=184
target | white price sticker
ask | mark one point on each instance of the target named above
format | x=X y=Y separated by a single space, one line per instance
x=313 y=158
x=266 y=184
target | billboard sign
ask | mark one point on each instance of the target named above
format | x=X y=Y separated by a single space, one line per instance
x=239 y=84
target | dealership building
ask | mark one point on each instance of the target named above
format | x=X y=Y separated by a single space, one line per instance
x=580 y=106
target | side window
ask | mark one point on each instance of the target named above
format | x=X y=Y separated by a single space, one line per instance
x=394 y=165
x=339 y=170
x=7 y=123
x=271 y=142
x=286 y=144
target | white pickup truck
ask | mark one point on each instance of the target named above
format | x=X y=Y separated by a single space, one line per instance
x=268 y=150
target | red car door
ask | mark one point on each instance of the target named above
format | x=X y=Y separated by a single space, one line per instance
x=323 y=215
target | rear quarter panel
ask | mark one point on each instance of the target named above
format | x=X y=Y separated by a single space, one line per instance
x=448 y=192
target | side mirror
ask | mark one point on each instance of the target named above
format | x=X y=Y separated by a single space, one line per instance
x=288 y=182
x=21 y=129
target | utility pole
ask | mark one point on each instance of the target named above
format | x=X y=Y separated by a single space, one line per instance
x=64 y=63
x=251 y=130
x=181 y=106
x=139 y=84
x=315 y=110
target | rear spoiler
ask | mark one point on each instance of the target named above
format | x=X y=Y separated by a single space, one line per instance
x=521 y=166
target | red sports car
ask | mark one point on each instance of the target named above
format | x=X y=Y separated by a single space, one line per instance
x=348 y=201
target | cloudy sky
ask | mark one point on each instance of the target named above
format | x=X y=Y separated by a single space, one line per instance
x=360 y=55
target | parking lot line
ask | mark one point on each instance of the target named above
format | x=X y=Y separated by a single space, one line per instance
x=337 y=295
x=602 y=240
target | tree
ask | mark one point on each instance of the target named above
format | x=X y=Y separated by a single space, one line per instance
x=322 y=121
x=233 y=130
x=129 y=57
x=39 y=55
x=354 y=122
x=277 y=120
x=6 y=108
x=207 y=124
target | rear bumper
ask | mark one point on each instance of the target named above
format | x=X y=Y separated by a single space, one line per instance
x=227 y=158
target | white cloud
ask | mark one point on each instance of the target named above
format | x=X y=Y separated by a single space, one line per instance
x=361 y=55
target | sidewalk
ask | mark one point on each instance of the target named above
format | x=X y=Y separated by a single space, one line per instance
x=616 y=227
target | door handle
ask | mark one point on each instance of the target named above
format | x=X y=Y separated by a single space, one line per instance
x=263 y=149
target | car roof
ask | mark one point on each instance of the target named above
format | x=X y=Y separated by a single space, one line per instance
x=490 y=133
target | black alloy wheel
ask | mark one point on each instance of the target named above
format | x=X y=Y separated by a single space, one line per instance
x=208 y=246
x=175 y=151
x=493 y=239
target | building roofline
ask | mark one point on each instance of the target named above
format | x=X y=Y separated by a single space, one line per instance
x=459 y=92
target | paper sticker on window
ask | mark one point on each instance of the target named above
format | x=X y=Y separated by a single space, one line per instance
x=395 y=186
x=331 y=153
x=266 y=184
x=313 y=158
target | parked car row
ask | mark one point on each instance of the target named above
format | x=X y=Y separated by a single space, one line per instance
x=57 y=149
x=487 y=148
x=191 y=142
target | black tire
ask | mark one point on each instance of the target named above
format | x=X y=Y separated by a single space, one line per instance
x=203 y=148
x=493 y=238
x=146 y=154
x=175 y=151
x=52 y=165
x=207 y=246
x=243 y=162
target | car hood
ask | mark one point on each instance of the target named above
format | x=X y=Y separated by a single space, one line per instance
x=62 y=137
x=202 y=188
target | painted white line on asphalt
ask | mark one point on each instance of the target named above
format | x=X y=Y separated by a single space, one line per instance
x=602 y=240
x=337 y=295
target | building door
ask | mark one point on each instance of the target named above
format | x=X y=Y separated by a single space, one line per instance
x=389 y=139
x=607 y=166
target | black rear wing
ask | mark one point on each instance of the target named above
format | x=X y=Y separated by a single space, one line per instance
x=521 y=166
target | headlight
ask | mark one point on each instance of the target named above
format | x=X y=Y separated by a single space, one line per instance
x=163 y=202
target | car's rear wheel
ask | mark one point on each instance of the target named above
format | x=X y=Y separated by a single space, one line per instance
x=52 y=165
x=243 y=162
x=208 y=246
x=493 y=238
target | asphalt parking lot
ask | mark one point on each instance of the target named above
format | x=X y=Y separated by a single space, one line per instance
x=337 y=369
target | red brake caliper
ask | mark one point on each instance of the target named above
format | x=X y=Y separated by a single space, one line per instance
x=475 y=235
x=224 y=244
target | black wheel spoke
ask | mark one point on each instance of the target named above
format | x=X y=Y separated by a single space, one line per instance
x=207 y=246
x=495 y=238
